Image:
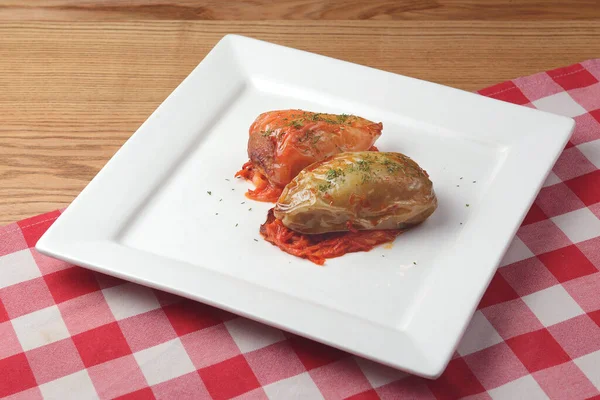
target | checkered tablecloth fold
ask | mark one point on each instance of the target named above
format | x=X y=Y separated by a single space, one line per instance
x=67 y=332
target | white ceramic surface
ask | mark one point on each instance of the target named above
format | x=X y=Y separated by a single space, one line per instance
x=148 y=217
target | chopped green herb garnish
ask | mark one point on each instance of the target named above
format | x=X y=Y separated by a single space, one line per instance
x=296 y=124
x=334 y=173
x=342 y=118
x=250 y=209
x=323 y=187
x=236 y=225
x=467 y=205
x=209 y=192
x=267 y=132
x=318 y=117
x=363 y=165
x=368 y=157
x=392 y=166
x=414 y=262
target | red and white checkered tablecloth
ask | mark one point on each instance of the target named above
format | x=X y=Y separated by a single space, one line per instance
x=67 y=332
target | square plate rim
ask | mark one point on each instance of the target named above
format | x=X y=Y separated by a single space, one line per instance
x=64 y=239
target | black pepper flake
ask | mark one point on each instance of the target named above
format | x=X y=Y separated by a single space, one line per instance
x=474 y=181
x=243 y=202
x=457 y=185
x=467 y=205
x=227 y=180
x=232 y=189
x=255 y=240
x=220 y=199
x=216 y=213
x=236 y=225
x=209 y=192
x=414 y=262
x=461 y=177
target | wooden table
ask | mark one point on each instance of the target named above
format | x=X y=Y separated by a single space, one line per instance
x=72 y=92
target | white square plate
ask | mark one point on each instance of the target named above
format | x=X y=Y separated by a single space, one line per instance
x=148 y=216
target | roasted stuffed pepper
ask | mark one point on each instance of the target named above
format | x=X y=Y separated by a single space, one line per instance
x=357 y=191
x=282 y=143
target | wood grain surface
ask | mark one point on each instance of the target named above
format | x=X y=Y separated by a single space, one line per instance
x=299 y=9
x=71 y=93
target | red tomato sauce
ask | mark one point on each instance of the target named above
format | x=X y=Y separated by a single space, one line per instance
x=318 y=248
x=264 y=191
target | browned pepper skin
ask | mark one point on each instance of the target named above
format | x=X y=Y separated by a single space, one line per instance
x=282 y=143
x=357 y=191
